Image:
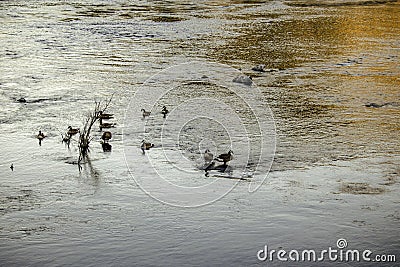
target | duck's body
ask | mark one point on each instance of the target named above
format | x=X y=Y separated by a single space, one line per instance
x=259 y=68
x=12 y=167
x=40 y=135
x=106 y=136
x=66 y=138
x=164 y=111
x=374 y=105
x=71 y=131
x=226 y=157
x=146 y=146
x=105 y=116
x=208 y=156
x=106 y=147
x=106 y=125
x=145 y=113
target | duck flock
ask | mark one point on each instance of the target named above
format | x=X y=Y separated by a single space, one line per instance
x=209 y=158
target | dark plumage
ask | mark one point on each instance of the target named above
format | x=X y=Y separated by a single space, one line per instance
x=106 y=125
x=146 y=146
x=226 y=157
x=106 y=136
x=106 y=147
x=71 y=131
x=40 y=135
x=259 y=68
x=164 y=111
x=145 y=113
x=105 y=116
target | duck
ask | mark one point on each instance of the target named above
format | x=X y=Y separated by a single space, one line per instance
x=106 y=125
x=12 y=167
x=374 y=105
x=145 y=113
x=40 y=136
x=259 y=68
x=226 y=157
x=106 y=136
x=105 y=116
x=243 y=79
x=71 y=131
x=208 y=156
x=146 y=146
x=66 y=138
x=106 y=147
x=21 y=100
x=164 y=111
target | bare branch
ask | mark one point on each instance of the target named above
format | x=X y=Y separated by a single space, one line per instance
x=84 y=135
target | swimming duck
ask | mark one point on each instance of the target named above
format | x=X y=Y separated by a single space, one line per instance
x=146 y=146
x=21 y=100
x=106 y=125
x=106 y=147
x=164 y=111
x=145 y=113
x=12 y=167
x=71 y=131
x=259 y=68
x=66 y=138
x=106 y=136
x=208 y=156
x=225 y=157
x=105 y=116
x=40 y=135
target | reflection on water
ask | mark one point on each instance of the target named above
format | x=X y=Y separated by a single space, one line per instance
x=327 y=68
x=331 y=81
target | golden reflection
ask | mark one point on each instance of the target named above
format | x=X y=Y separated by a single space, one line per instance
x=330 y=67
x=285 y=44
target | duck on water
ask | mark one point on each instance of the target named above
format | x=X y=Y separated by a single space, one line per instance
x=145 y=113
x=164 y=111
x=226 y=157
x=40 y=136
x=146 y=146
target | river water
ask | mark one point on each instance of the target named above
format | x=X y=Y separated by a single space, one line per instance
x=330 y=99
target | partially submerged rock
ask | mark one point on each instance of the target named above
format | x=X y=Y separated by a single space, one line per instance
x=243 y=79
x=360 y=189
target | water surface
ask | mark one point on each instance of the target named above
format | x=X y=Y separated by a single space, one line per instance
x=327 y=61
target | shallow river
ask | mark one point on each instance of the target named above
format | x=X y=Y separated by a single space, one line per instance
x=316 y=136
